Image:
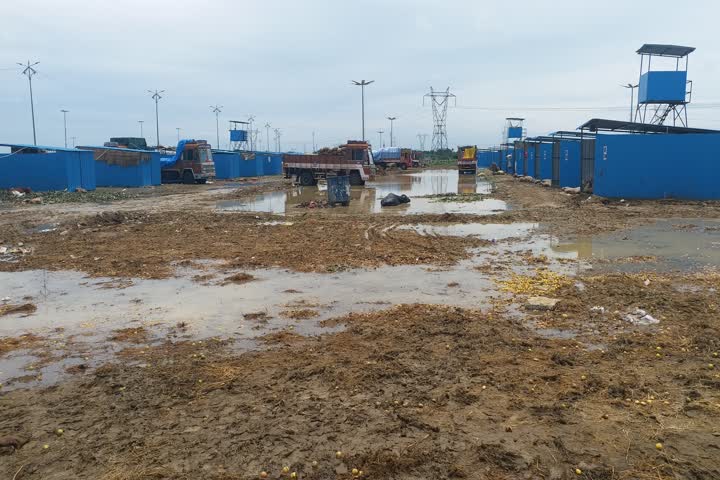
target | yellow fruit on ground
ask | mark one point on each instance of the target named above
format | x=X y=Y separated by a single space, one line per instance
x=659 y=446
x=578 y=471
x=286 y=469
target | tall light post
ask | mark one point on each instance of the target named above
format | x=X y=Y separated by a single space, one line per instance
x=65 y=112
x=392 y=119
x=156 y=96
x=216 y=110
x=141 y=127
x=267 y=136
x=73 y=139
x=362 y=84
x=250 y=131
x=381 y=132
x=178 y=133
x=30 y=71
x=632 y=97
x=277 y=138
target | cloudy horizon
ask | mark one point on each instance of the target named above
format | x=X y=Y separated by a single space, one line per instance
x=290 y=64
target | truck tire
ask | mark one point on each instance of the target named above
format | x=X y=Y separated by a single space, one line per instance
x=356 y=179
x=188 y=177
x=307 y=179
x=403 y=166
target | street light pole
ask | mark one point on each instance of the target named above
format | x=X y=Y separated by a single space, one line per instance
x=632 y=97
x=217 y=109
x=141 y=129
x=362 y=84
x=267 y=136
x=178 y=133
x=156 y=96
x=381 y=132
x=392 y=119
x=65 y=112
x=30 y=71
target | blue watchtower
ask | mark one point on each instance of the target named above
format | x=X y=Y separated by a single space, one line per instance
x=238 y=135
x=663 y=92
x=514 y=129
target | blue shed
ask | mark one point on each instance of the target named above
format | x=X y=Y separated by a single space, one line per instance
x=683 y=166
x=250 y=164
x=569 y=164
x=543 y=161
x=227 y=164
x=43 y=168
x=125 y=167
x=519 y=158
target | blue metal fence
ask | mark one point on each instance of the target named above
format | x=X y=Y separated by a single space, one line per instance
x=43 y=168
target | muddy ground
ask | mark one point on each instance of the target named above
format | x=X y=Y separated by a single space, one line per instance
x=405 y=391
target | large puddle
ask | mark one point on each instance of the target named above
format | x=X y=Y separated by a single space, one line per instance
x=415 y=185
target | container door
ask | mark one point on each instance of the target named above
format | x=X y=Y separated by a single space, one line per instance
x=587 y=163
x=536 y=168
x=525 y=159
x=556 y=164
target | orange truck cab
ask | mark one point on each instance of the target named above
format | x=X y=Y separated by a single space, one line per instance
x=191 y=162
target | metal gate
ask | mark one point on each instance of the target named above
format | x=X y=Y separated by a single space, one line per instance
x=556 y=164
x=587 y=165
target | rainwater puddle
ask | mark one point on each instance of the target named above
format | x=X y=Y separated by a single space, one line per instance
x=367 y=199
x=87 y=312
x=487 y=231
x=672 y=244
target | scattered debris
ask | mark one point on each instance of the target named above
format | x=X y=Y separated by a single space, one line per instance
x=641 y=317
x=574 y=190
x=392 y=200
x=541 y=303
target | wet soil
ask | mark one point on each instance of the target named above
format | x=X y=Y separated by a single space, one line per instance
x=406 y=353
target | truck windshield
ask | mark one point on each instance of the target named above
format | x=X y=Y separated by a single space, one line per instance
x=371 y=160
x=205 y=155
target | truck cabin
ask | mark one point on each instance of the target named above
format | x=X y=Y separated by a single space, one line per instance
x=358 y=152
x=197 y=153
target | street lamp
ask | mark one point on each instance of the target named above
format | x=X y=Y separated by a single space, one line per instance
x=216 y=110
x=362 y=84
x=381 y=132
x=178 y=133
x=156 y=96
x=392 y=119
x=141 y=129
x=632 y=97
x=30 y=71
x=65 y=112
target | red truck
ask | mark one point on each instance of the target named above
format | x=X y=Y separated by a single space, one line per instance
x=402 y=158
x=466 y=159
x=191 y=162
x=353 y=159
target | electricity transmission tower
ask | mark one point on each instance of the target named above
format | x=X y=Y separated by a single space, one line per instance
x=439 y=101
x=267 y=136
x=30 y=71
x=421 y=139
x=251 y=118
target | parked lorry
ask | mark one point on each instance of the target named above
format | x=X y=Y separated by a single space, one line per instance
x=402 y=158
x=136 y=143
x=353 y=159
x=466 y=159
x=191 y=162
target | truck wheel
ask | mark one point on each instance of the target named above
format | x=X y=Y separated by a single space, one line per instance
x=356 y=179
x=307 y=179
x=403 y=166
x=188 y=177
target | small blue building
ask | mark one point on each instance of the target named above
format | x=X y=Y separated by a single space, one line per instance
x=42 y=168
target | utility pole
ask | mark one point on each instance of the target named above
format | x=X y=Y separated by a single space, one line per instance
x=392 y=119
x=178 y=135
x=30 y=71
x=313 y=144
x=421 y=139
x=156 y=96
x=277 y=138
x=250 y=121
x=216 y=110
x=141 y=129
x=65 y=112
x=362 y=84
x=632 y=97
x=73 y=139
x=267 y=136
x=440 y=101
x=381 y=132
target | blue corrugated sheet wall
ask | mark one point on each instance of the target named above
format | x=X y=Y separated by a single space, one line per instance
x=155 y=177
x=55 y=170
x=519 y=159
x=569 y=163
x=531 y=160
x=227 y=164
x=683 y=166
x=545 y=161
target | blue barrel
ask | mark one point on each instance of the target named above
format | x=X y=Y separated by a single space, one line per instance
x=338 y=189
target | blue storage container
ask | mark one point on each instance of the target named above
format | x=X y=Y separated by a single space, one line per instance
x=251 y=164
x=569 y=175
x=227 y=164
x=683 y=166
x=43 y=168
x=124 y=167
x=663 y=87
x=544 y=156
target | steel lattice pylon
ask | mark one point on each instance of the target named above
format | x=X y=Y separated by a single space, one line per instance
x=439 y=101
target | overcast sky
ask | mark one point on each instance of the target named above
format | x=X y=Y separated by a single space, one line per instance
x=291 y=62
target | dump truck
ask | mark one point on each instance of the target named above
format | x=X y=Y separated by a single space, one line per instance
x=402 y=158
x=466 y=160
x=353 y=159
x=191 y=162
